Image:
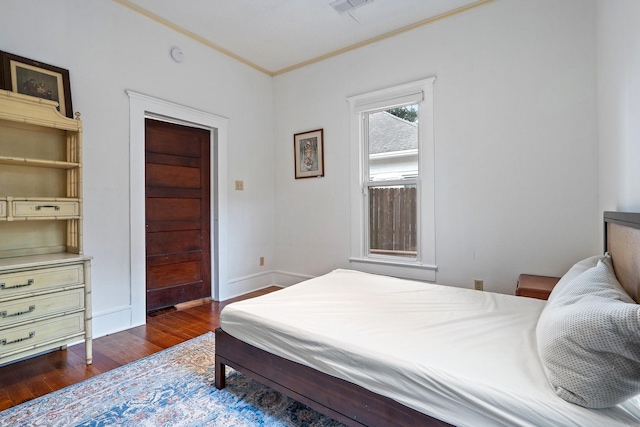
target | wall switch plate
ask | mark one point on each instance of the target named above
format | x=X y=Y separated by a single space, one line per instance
x=478 y=285
x=261 y=261
x=240 y=185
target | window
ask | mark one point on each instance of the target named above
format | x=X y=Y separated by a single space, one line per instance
x=392 y=179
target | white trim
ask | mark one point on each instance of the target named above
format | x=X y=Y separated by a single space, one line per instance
x=391 y=182
x=393 y=154
x=384 y=99
x=251 y=277
x=424 y=273
x=395 y=263
x=288 y=278
x=410 y=93
x=250 y=283
x=111 y=321
x=141 y=105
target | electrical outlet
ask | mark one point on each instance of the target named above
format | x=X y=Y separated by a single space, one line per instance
x=261 y=261
x=478 y=285
x=240 y=185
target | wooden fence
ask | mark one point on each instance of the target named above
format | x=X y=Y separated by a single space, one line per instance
x=393 y=221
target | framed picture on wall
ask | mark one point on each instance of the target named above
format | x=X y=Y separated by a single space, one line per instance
x=308 y=150
x=29 y=77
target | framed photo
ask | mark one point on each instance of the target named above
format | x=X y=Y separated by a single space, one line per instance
x=29 y=77
x=308 y=150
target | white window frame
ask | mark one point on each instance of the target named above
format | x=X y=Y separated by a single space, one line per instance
x=424 y=266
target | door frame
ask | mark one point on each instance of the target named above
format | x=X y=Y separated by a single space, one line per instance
x=143 y=106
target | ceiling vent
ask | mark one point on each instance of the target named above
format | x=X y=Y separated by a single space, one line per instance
x=342 y=6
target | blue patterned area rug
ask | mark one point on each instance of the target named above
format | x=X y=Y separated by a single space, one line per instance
x=171 y=388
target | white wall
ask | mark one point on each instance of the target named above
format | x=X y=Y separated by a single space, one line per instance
x=515 y=124
x=619 y=104
x=515 y=134
x=109 y=49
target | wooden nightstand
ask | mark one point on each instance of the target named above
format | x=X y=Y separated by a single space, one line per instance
x=535 y=286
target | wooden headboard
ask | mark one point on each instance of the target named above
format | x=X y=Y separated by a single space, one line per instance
x=622 y=241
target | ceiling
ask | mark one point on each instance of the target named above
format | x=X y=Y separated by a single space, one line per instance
x=275 y=36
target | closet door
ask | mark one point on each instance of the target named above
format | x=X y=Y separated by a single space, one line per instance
x=178 y=235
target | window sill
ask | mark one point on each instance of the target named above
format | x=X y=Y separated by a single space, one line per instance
x=406 y=264
x=407 y=270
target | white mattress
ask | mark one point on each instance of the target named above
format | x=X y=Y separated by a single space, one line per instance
x=465 y=357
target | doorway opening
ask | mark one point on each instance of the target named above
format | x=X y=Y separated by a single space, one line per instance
x=141 y=108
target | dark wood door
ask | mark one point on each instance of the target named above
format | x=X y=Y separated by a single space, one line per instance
x=178 y=227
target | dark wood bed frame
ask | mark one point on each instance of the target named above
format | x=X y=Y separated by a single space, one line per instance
x=356 y=406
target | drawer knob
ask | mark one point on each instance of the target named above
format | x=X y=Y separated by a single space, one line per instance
x=5 y=342
x=4 y=314
x=39 y=207
x=21 y=285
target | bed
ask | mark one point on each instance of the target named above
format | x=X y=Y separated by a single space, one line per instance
x=379 y=351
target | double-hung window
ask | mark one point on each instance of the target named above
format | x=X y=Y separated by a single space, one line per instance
x=392 y=179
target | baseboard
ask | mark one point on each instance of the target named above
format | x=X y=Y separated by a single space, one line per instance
x=244 y=285
x=112 y=321
x=287 y=278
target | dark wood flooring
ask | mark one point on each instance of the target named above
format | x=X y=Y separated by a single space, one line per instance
x=37 y=376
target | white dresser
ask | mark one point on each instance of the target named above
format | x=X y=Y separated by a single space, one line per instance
x=45 y=303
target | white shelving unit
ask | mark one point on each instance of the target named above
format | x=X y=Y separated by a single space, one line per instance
x=45 y=279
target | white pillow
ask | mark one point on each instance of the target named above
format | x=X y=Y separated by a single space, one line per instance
x=589 y=340
x=577 y=269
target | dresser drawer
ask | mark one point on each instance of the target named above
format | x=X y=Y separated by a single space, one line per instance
x=40 y=334
x=35 y=209
x=28 y=309
x=28 y=282
x=3 y=209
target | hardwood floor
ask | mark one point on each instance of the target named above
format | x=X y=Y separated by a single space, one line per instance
x=37 y=376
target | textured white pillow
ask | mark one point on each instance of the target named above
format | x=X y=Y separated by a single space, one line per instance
x=589 y=340
x=577 y=269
